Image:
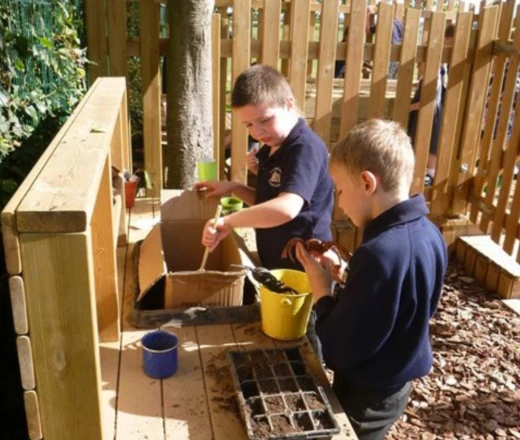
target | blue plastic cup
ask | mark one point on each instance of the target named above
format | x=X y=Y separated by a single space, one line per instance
x=160 y=354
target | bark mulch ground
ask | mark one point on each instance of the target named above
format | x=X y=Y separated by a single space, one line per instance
x=473 y=391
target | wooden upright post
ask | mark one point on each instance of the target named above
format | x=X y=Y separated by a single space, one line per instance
x=60 y=289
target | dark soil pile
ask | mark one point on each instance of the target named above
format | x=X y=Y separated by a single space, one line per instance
x=473 y=391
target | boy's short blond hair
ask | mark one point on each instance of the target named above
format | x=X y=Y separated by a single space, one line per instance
x=261 y=84
x=383 y=148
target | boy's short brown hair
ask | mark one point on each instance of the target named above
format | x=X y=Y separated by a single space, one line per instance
x=379 y=146
x=261 y=84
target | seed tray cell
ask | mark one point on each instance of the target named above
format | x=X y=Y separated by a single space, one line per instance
x=278 y=397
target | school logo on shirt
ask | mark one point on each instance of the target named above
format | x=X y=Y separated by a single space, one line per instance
x=275 y=177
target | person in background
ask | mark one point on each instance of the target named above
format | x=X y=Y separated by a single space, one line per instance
x=397 y=35
x=339 y=65
x=374 y=328
x=415 y=106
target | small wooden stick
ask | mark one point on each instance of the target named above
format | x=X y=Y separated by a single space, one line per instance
x=206 y=252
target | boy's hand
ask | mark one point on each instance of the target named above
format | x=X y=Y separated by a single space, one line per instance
x=337 y=264
x=252 y=161
x=215 y=188
x=215 y=232
x=319 y=273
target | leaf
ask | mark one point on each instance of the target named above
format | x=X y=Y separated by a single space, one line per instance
x=98 y=130
x=18 y=63
x=46 y=42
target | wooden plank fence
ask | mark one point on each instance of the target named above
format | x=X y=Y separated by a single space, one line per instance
x=304 y=39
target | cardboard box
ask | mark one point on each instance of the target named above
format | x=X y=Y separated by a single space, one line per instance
x=171 y=255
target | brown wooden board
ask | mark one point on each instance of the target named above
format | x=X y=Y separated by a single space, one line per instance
x=427 y=104
x=8 y=216
x=452 y=116
x=186 y=407
x=381 y=60
x=241 y=61
x=271 y=33
x=59 y=287
x=406 y=67
x=104 y=256
x=328 y=38
x=353 y=63
x=299 y=49
x=18 y=305
x=32 y=413
x=63 y=195
x=117 y=35
x=96 y=39
x=25 y=360
x=218 y=153
x=488 y=168
x=477 y=95
x=149 y=22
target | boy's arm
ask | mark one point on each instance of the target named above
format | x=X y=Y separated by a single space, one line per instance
x=270 y=214
x=245 y=193
x=355 y=326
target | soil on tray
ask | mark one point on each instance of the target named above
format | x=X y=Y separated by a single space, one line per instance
x=282 y=370
x=260 y=428
x=303 y=422
x=313 y=402
x=323 y=421
x=268 y=387
x=306 y=384
x=274 y=404
x=295 y=402
x=281 y=425
x=275 y=356
x=288 y=385
x=254 y=408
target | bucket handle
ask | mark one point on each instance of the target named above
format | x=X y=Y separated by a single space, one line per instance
x=285 y=302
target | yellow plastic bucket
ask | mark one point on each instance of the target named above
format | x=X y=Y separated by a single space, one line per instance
x=285 y=316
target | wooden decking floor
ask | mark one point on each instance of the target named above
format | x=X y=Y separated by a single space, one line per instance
x=199 y=401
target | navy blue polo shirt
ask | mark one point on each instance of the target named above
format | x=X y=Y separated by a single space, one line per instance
x=298 y=166
x=375 y=332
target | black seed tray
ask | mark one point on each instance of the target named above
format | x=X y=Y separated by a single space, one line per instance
x=278 y=398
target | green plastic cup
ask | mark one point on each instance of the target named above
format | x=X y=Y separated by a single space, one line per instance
x=207 y=170
x=231 y=204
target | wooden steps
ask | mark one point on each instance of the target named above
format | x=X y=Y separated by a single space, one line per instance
x=489 y=263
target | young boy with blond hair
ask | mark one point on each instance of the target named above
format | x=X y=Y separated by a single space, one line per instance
x=374 y=330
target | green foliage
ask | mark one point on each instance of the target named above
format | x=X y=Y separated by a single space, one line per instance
x=42 y=78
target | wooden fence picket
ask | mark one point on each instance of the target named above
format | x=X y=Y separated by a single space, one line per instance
x=299 y=49
x=452 y=115
x=406 y=67
x=327 y=52
x=381 y=57
x=475 y=107
x=241 y=61
x=353 y=62
x=488 y=167
x=428 y=98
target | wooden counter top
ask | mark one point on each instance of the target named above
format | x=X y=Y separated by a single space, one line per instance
x=199 y=402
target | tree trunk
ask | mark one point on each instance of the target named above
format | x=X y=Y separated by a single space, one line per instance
x=189 y=118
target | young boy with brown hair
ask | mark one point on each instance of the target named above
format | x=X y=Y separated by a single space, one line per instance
x=294 y=194
x=374 y=331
